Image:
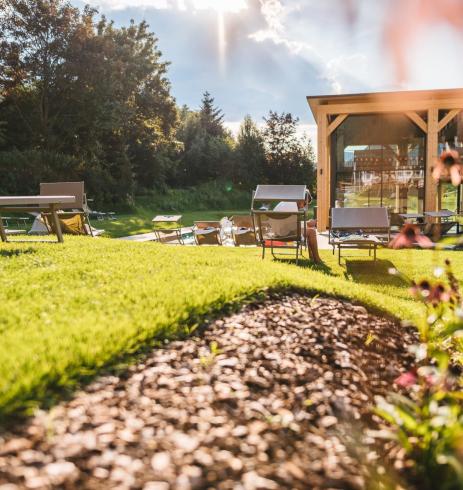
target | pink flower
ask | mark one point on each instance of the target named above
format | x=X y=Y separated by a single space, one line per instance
x=405 y=380
x=448 y=168
x=409 y=236
x=431 y=293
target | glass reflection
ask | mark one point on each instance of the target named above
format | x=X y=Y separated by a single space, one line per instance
x=379 y=160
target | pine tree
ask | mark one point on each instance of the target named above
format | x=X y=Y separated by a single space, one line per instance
x=211 y=118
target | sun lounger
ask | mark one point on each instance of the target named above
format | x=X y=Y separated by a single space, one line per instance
x=279 y=230
x=361 y=228
x=207 y=233
x=70 y=223
x=282 y=227
x=243 y=232
x=73 y=218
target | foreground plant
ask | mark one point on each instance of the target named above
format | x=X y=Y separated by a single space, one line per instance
x=410 y=236
x=426 y=417
x=448 y=167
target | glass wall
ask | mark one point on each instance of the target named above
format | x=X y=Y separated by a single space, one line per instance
x=451 y=135
x=379 y=160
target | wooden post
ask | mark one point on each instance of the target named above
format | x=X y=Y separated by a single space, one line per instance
x=2 y=231
x=323 y=173
x=430 y=200
x=56 y=223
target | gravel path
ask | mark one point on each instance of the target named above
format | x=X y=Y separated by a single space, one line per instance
x=273 y=397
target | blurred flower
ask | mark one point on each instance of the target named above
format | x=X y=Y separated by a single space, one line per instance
x=409 y=236
x=431 y=293
x=430 y=375
x=405 y=380
x=448 y=167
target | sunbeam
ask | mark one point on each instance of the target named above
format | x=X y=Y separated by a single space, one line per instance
x=222 y=41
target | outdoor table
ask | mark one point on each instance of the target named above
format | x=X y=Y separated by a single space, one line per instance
x=412 y=216
x=368 y=242
x=170 y=235
x=444 y=214
x=167 y=218
x=443 y=218
x=27 y=204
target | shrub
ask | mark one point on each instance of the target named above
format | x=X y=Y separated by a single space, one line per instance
x=427 y=419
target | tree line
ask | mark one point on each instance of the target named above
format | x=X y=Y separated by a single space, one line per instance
x=82 y=99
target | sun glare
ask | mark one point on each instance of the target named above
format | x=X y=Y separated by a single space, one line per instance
x=223 y=6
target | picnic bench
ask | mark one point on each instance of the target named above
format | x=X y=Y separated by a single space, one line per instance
x=28 y=204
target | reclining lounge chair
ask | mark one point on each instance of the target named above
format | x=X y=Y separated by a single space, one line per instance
x=284 y=225
x=360 y=228
x=207 y=233
x=73 y=218
x=243 y=232
x=279 y=230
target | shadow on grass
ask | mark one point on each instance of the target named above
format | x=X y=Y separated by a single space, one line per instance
x=16 y=253
x=370 y=272
x=306 y=263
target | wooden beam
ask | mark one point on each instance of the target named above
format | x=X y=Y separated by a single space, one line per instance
x=336 y=123
x=399 y=107
x=323 y=174
x=446 y=119
x=418 y=120
x=430 y=198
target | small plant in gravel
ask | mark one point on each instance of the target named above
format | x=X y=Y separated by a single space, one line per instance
x=427 y=415
x=208 y=360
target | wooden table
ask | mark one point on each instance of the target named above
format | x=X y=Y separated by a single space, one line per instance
x=168 y=235
x=412 y=216
x=368 y=242
x=167 y=218
x=28 y=204
x=444 y=214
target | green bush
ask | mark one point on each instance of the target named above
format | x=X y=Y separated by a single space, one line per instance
x=22 y=171
x=213 y=195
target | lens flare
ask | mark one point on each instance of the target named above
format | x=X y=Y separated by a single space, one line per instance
x=221 y=5
x=222 y=41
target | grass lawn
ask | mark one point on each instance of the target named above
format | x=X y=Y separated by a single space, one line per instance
x=140 y=222
x=67 y=311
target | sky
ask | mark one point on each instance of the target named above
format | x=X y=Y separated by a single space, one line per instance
x=259 y=55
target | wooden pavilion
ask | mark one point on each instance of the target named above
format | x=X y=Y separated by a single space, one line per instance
x=378 y=149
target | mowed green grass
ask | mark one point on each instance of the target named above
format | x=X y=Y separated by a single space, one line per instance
x=141 y=221
x=68 y=311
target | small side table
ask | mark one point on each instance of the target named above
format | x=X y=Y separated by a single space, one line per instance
x=368 y=242
x=164 y=234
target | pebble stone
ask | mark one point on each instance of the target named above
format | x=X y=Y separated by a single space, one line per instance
x=277 y=396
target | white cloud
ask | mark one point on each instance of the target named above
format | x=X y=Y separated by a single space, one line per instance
x=122 y=4
x=218 y=5
x=316 y=32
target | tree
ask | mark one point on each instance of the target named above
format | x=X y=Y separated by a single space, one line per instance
x=289 y=159
x=211 y=117
x=34 y=39
x=207 y=146
x=249 y=155
x=84 y=88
